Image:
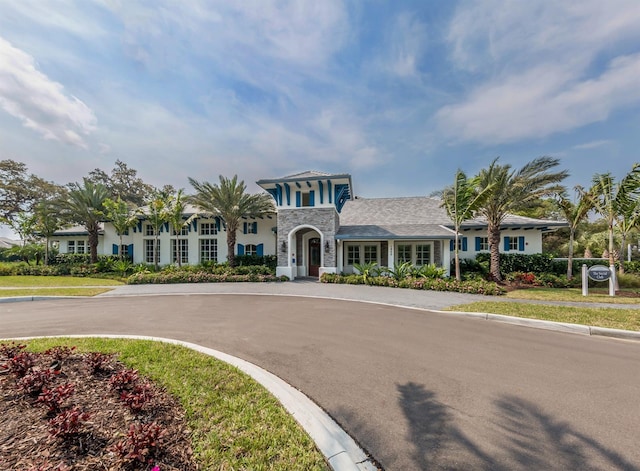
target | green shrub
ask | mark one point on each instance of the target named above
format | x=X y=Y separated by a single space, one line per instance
x=632 y=267
x=428 y=271
x=270 y=261
x=188 y=276
x=7 y=269
x=628 y=280
x=435 y=284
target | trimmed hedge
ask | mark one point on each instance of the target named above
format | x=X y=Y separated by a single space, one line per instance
x=434 y=284
x=188 y=276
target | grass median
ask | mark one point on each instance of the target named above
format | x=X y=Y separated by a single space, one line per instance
x=235 y=422
x=16 y=286
x=613 y=318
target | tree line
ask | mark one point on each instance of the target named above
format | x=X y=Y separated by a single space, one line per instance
x=499 y=190
x=35 y=208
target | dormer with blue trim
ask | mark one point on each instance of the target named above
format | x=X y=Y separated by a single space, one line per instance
x=309 y=189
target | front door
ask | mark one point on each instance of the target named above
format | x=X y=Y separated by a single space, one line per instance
x=314 y=256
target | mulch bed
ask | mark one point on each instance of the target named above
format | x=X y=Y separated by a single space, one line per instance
x=103 y=441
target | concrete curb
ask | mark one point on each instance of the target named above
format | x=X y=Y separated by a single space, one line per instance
x=340 y=450
x=550 y=325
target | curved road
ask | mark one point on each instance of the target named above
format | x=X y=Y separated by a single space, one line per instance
x=419 y=390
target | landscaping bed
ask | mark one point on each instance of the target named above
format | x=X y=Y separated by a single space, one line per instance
x=226 y=418
x=112 y=418
x=435 y=284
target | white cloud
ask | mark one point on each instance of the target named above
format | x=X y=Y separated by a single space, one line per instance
x=534 y=67
x=541 y=102
x=592 y=144
x=406 y=44
x=39 y=102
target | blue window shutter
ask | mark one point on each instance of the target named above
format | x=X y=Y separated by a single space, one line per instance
x=255 y=227
x=312 y=198
x=260 y=250
x=195 y=225
x=244 y=230
x=478 y=244
x=452 y=245
x=507 y=241
x=166 y=226
x=521 y=243
x=298 y=199
x=464 y=244
x=321 y=188
x=130 y=251
x=240 y=249
x=218 y=224
x=114 y=249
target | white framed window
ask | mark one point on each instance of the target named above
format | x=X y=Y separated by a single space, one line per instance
x=71 y=246
x=513 y=243
x=250 y=249
x=404 y=253
x=183 y=245
x=416 y=253
x=80 y=246
x=370 y=254
x=148 y=230
x=423 y=254
x=208 y=228
x=184 y=230
x=149 y=246
x=353 y=254
x=483 y=243
x=208 y=250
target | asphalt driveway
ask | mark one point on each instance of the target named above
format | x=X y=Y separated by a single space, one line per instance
x=419 y=390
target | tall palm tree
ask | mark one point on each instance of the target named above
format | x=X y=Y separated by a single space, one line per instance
x=121 y=216
x=461 y=201
x=84 y=204
x=628 y=220
x=47 y=222
x=175 y=216
x=513 y=190
x=229 y=201
x=574 y=213
x=156 y=213
x=612 y=199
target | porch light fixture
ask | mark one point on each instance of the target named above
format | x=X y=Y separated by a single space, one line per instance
x=283 y=246
x=326 y=246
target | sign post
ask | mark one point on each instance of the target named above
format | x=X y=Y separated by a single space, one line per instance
x=598 y=273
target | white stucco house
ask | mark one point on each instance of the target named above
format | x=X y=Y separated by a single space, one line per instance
x=321 y=227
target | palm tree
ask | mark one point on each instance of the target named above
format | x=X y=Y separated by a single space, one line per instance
x=229 y=201
x=574 y=213
x=47 y=222
x=461 y=201
x=175 y=216
x=628 y=220
x=121 y=216
x=513 y=190
x=156 y=213
x=611 y=199
x=84 y=205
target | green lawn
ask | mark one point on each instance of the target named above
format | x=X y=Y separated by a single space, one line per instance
x=14 y=286
x=57 y=281
x=17 y=292
x=600 y=295
x=614 y=318
x=236 y=423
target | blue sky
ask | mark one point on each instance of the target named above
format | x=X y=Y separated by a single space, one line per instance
x=398 y=93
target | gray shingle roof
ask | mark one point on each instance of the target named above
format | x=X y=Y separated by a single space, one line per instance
x=412 y=217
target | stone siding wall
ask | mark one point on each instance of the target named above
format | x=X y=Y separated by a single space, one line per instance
x=326 y=220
